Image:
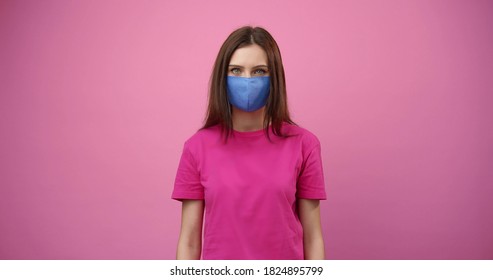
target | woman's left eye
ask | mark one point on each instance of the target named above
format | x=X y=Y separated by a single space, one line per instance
x=260 y=71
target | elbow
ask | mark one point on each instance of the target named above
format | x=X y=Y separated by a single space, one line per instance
x=189 y=249
x=314 y=247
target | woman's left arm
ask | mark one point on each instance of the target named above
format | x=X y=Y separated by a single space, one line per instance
x=313 y=242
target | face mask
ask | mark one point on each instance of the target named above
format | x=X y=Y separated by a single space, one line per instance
x=248 y=94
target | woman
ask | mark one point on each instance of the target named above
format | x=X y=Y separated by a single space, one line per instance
x=256 y=175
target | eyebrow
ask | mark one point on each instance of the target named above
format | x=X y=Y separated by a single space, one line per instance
x=239 y=66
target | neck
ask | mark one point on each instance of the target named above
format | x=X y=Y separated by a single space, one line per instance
x=247 y=121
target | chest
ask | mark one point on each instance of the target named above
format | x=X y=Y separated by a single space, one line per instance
x=251 y=171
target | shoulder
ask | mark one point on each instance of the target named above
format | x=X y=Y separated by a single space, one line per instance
x=202 y=136
x=308 y=139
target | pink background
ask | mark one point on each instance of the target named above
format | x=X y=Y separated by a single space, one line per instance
x=97 y=98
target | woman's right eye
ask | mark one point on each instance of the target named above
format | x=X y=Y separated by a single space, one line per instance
x=235 y=71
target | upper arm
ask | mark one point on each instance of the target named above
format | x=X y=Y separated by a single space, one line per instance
x=190 y=241
x=309 y=213
x=311 y=182
x=191 y=218
x=188 y=183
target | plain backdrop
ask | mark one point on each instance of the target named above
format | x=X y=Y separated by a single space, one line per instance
x=97 y=98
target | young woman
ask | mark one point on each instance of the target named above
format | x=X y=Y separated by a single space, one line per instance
x=256 y=175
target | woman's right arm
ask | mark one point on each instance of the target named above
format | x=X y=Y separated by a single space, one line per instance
x=190 y=241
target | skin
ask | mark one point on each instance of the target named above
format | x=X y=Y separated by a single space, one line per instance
x=190 y=241
x=248 y=61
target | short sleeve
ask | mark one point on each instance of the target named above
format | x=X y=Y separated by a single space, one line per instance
x=187 y=181
x=311 y=184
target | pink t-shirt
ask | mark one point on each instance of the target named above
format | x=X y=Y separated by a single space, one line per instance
x=250 y=187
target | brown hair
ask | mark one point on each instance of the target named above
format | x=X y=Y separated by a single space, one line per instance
x=276 y=110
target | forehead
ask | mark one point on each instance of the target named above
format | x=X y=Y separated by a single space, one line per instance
x=251 y=55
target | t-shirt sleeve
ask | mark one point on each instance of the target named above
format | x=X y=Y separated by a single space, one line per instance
x=187 y=181
x=311 y=184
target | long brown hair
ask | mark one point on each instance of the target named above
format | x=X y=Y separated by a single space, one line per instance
x=276 y=110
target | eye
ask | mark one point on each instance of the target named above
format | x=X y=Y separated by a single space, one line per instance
x=235 y=71
x=260 y=72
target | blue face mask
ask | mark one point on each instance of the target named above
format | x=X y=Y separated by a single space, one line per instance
x=248 y=94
